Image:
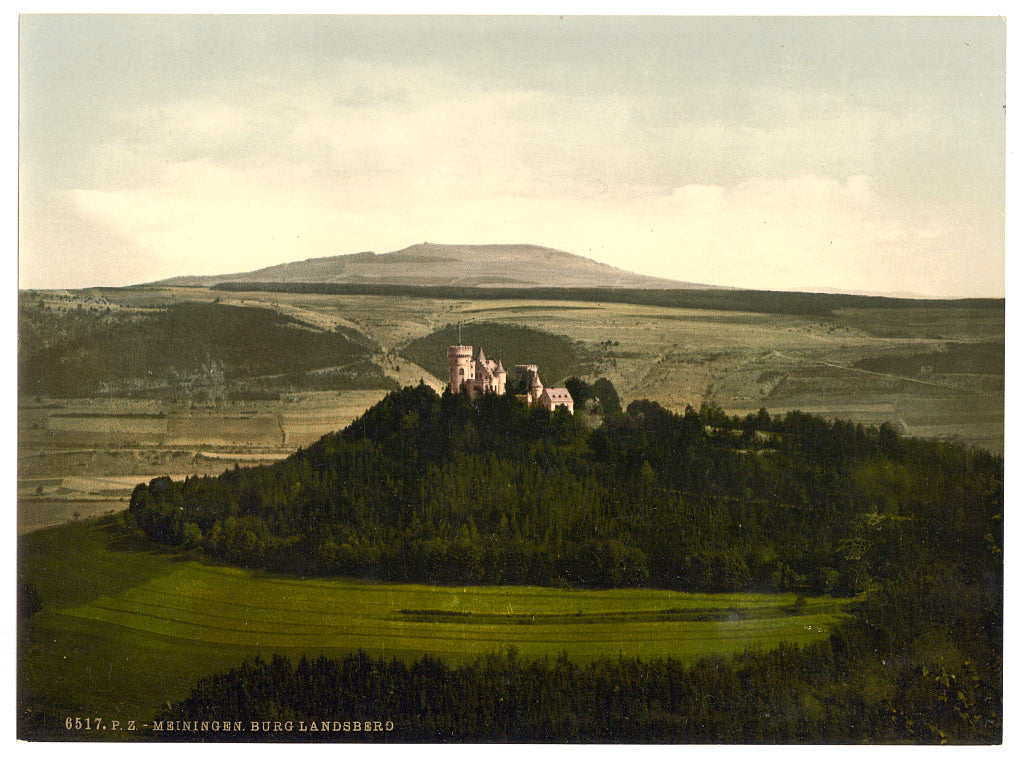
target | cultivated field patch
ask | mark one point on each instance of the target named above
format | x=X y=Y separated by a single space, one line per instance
x=82 y=457
x=111 y=642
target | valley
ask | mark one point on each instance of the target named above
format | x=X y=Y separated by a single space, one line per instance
x=931 y=372
x=111 y=610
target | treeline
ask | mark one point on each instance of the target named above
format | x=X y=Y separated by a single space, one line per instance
x=185 y=348
x=752 y=301
x=907 y=669
x=435 y=488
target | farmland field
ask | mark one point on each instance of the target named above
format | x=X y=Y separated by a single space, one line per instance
x=117 y=618
x=84 y=456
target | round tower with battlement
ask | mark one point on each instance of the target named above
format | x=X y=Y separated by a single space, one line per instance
x=460 y=366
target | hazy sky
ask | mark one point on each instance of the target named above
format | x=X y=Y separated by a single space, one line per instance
x=778 y=153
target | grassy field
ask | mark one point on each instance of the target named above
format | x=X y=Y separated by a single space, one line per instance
x=125 y=628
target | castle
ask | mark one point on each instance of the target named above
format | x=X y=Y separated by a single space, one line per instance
x=482 y=375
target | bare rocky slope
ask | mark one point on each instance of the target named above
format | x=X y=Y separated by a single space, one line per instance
x=430 y=264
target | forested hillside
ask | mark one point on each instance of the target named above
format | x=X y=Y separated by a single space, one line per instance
x=440 y=489
x=186 y=349
x=430 y=488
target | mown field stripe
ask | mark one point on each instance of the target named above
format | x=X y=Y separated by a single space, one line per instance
x=261 y=623
x=178 y=601
x=303 y=594
x=269 y=632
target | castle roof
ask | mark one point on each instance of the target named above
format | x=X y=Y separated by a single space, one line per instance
x=536 y=381
x=482 y=359
x=558 y=394
x=500 y=369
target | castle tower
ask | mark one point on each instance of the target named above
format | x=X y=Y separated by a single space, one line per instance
x=500 y=374
x=460 y=366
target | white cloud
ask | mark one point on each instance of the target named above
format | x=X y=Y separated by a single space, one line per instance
x=699 y=198
x=210 y=219
x=713 y=180
x=793 y=232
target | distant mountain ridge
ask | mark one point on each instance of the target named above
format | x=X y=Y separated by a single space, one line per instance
x=431 y=264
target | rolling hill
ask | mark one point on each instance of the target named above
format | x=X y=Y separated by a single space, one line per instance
x=193 y=349
x=430 y=264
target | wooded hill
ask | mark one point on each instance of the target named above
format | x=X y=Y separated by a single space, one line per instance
x=185 y=349
x=441 y=489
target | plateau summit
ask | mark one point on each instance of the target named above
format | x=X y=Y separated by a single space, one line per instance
x=430 y=264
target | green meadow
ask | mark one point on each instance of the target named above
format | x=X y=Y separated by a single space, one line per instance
x=125 y=628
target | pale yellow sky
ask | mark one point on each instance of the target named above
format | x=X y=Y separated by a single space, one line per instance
x=862 y=154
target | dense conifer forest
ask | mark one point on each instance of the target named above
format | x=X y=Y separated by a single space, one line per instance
x=430 y=488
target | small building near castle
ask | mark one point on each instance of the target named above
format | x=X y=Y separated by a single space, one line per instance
x=481 y=376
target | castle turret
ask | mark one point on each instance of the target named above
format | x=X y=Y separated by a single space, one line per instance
x=499 y=376
x=481 y=368
x=536 y=388
x=460 y=366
